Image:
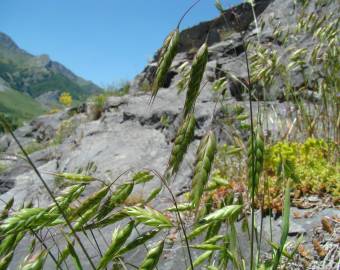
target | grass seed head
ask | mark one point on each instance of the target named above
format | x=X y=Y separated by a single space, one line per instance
x=119 y=237
x=139 y=240
x=230 y=212
x=5 y=211
x=204 y=161
x=196 y=75
x=198 y=231
x=118 y=197
x=67 y=197
x=168 y=53
x=85 y=217
x=89 y=202
x=6 y=260
x=148 y=216
x=142 y=177
x=27 y=218
x=152 y=257
x=34 y=261
x=184 y=137
x=106 y=221
x=257 y=152
x=76 y=177
x=200 y=259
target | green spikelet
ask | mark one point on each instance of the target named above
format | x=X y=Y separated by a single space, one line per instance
x=200 y=259
x=149 y=216
x=85 y=218
x=204 y=160
x=228 y=212
x=142 y=177
x=184 y=136
x=67 y=196
x=258 y=150
x=10 y=242
x=63 y=255
x=106 y=221
x=152 y=258
x=196 y=75
x=74 y=255
x=8 y=206
x=93 y=199
x=34 y=262
x=198 y=231
x=168 y=53
x=140 y=240
x=118 y=197
x=27 y=218
x=7 y=244
x=118 y=239
x=76 y=177
x=153 y=194
x=6 y=260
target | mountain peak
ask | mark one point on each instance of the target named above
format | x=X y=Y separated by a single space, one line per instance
x=38 y=75
x=8 y=43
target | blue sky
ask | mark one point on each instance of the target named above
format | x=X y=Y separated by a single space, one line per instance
x=101 y=40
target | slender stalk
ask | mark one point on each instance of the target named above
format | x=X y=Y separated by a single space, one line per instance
x=49 y=192
x=186 y=12
x=136 y=229
x=96 y=242
x=56 y=244
x=261 y=230
x=179 y=216
x=46 y=248
x=253 y=158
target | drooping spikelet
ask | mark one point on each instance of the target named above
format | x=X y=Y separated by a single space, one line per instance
x=118 y=197
x=89 y=202
x=167 y=54
x=196 y=75
x=27 y=218
x=184 y=136
x=139 y=240
x=201 y=258
x=34 y=261
x=67 y=196
x=76 y=177
x=6 y=260
x=5 y=211
x=118 y=239
x=204 y=160
x=84 y=218
x=148 y=216
x=229 y=211
x=152 y=258
x=256 y=152
x=10 y=242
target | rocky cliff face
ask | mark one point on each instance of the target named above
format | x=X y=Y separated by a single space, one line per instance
x=278 y=22
x=132 y=135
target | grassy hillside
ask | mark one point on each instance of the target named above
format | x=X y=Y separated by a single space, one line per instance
x=37 y=75
x=19 y=106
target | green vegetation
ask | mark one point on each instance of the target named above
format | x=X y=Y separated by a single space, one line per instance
x=65 y=129
x=18 y=106
x=57 y=81
x=311 y=165
x=33 y=147
x=117 y=89
x=3 y=168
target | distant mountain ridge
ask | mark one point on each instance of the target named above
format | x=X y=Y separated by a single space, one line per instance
x=38 y=75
